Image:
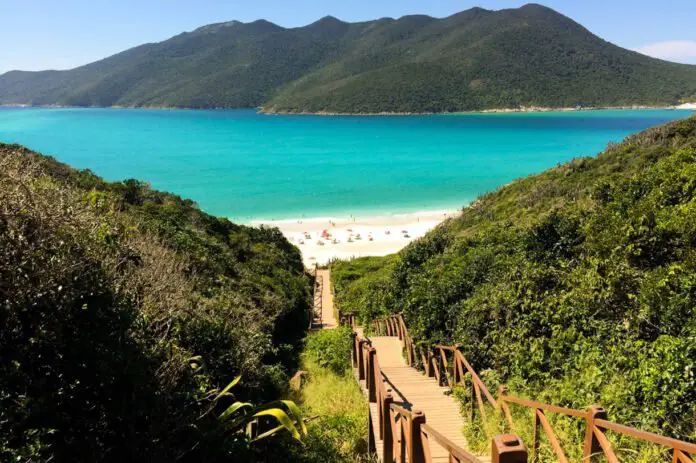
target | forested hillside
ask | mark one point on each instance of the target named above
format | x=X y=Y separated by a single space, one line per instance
x=477 y=59
x=576 y=286
x=123 y=312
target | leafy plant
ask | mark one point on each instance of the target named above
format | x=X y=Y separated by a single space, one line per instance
x=245 y=418
x=330 y=349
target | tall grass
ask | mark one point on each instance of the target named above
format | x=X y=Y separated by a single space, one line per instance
x=331 y=398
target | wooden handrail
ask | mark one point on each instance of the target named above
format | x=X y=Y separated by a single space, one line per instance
x=456 y=452
x=595 y=439
x=542 y=406
x=447 y=348
x=475 y=377
x=595 y=417
x=411 y=426
x=676 y=444
x=401 y=410
x=317 y=305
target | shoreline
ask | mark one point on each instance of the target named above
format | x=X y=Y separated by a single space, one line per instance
x=260 y=110
x=522 y=109
x=322 y=239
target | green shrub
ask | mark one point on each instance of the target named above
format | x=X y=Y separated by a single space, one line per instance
x=338 y=412
x=330 y=349
x=106 y=291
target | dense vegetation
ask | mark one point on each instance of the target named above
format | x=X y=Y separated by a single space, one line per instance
x=477 y=59
x=124 y=309
x=333 y=401
x=575 y=286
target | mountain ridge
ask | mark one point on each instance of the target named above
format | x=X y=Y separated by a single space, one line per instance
x=473 y=60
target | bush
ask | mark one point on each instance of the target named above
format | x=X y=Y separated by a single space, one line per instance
x=330 y=349
x=107 y=290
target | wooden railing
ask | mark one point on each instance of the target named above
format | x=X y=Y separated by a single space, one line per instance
x=348 y=319
x=448 y=365
x=596 y=424
x=317 y=306
x=405 y=435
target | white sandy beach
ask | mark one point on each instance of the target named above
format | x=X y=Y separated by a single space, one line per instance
x=326 y=238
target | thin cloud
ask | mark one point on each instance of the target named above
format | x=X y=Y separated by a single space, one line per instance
x=682 y=51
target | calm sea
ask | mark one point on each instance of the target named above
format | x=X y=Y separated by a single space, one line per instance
x=248 y=166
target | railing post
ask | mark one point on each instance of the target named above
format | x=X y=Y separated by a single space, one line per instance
x=436 y=367
x=508 y=448
x=361 y=360
x=387 y=431
x=371 y=435
x=409 y=350
x=502 y=392
x=429 y=372
x=535 y=439
x=415 y=448
x=472 y=399
x=353 y=354
x=592 y=446
x=457 y=378
x=372 y=375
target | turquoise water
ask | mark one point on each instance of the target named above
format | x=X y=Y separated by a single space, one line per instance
x=249 y=166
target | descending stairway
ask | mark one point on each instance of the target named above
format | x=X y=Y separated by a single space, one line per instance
x=410 y=388
x=414 y=391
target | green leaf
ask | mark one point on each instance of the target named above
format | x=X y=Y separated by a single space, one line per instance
x=228 y=387
x=292 y=410
x=296 y=414
x=234 y=408
x=282 y=418
x=268 y=433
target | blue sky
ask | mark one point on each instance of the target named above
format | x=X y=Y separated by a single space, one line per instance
x=61 y=34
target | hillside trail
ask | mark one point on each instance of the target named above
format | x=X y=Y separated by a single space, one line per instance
x=411 y=389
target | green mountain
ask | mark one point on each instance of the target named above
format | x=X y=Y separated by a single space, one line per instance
x=477 y=59
x=122 y=308
x=575 y=286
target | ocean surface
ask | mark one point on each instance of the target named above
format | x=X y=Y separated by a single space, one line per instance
x=248 y=166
